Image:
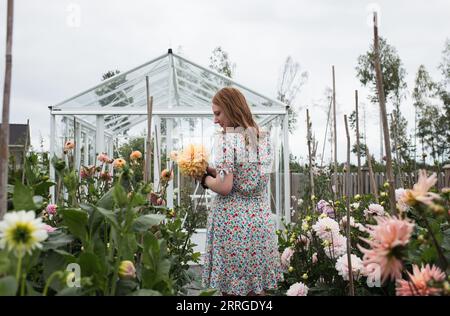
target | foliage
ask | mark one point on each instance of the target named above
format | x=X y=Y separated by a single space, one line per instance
x=115 y=229
x=219 y=61
x=314 y=264
x=290 y=81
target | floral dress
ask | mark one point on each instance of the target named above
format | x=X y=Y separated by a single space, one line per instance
x=241 y=245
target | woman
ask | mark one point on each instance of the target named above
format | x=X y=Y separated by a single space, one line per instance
x=242 y=255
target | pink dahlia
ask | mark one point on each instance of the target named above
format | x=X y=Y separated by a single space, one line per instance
x=386 y=241
x=421 y=282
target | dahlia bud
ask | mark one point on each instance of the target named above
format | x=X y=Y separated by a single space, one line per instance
x=127 y=270
x=51 y=209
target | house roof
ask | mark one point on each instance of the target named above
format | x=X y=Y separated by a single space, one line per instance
x=18 y=135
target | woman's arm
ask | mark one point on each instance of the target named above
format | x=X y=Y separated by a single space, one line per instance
x=222 y=187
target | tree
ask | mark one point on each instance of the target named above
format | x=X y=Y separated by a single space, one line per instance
x=289 y=84
x=432 y=114
x=362 y=144
x=424 y=90
x=4 y=135
x=444 y=94
x=220 y=62
x=393 y=75
x=392 y=70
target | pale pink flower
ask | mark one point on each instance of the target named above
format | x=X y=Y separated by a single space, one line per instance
x=298 y=289
x=314 y=258
x=49 y=228
x=357 y=267
x=304 y=241
x=419 y=193
x=51 y=209
x=399 y=193
x=386 y=239
x=358 y=226
x=103 y=157
x=421 y=282
x=374 y=210
x=325 y=228
x=286 y=257
x=337 y=246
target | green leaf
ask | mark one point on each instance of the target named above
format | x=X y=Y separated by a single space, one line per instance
x=128 y=246
x=23 y=197
x=145 y=222
x=125 y=287
x=155 y=273
x=209 y=292
x=5 y=263
x=70 y=291
x=107 y=201
x=76 y=220
x=109 y=216
x=120 y=196
x=42 y=188
x=138 y=199
x=38 y=201
x=145 y=292
x=53 y=262
x=90 y=265
x=8 y=286
x=446 y=239
x=67 y=255
x=56 y=240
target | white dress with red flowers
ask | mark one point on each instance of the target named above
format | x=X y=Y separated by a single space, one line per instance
x=241 y=245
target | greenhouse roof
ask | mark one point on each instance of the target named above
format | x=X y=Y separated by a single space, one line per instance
x=179 y=87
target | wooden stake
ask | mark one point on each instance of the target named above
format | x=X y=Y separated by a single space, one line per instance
x=4 y=135
x=359 y=182
x=335 y=179
x=347 y=227
x=373 y=184
x=309 y=139
x=397 y=156
x=148 y=153
x=382 y=100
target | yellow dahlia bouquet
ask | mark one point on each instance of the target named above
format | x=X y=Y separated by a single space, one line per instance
x=192 y=161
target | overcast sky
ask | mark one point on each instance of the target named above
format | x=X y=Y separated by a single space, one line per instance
x=61 y=48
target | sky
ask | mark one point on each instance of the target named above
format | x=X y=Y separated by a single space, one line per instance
x=62 y=47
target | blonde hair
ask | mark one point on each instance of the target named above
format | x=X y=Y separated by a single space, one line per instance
x=235 y=107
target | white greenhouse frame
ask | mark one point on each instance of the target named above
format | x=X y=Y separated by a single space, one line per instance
x=180 y=89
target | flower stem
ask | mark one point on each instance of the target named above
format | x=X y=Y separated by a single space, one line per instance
x=19 y=268
x=22 y=285
x=114 y=279
x=436 y=244
x=49 y=281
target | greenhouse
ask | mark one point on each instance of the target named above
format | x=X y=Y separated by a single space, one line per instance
x=115 y=111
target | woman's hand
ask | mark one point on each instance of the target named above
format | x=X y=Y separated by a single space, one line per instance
x=212 y=171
